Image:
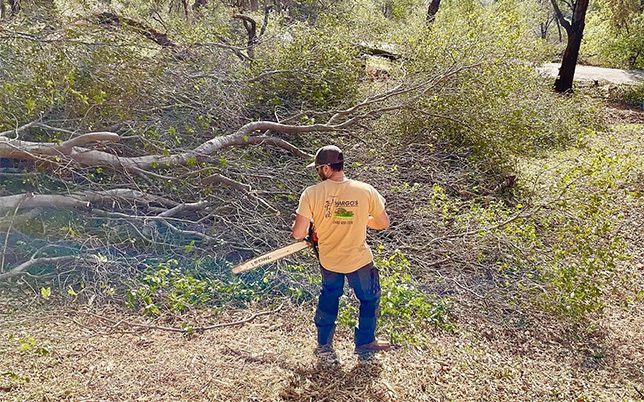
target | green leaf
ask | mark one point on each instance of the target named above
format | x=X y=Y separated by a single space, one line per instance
x=45 y=293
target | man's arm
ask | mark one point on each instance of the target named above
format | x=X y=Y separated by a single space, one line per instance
x=379 y=222
x=300 y=227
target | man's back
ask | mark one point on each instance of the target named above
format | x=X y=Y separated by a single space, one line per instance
x=340 y=211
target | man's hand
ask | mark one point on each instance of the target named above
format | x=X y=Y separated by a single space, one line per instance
x=312 y=239
x=378 y=222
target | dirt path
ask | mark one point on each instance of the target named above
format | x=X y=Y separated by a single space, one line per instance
x=590 y=73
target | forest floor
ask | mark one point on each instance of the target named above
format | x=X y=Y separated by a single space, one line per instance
x=54 y=349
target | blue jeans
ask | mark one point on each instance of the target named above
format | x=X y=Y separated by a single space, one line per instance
x=365 y=282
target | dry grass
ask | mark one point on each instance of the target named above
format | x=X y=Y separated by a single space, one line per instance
x=270 y=359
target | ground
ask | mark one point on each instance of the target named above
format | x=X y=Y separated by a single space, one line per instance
x=51 y=351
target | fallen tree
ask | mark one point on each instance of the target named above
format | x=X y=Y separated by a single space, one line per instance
x=121 y=163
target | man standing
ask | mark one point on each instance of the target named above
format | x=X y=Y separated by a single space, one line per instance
x=341 y=210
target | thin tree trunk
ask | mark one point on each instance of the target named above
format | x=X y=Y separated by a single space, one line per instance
x=432 y=10
x=198 y=4
x=184 y=3
x=3 y=9
x=564 y=81
x=388 y=8
x=575 y=31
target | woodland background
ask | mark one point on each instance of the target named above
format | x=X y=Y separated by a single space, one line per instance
x=148 y=146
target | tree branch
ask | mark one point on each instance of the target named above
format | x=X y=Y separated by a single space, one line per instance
x=22 y=268
x=159 y=38
x=560 y=17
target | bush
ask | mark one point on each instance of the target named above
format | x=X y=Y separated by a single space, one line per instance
x=614 y=34
x=499 y=107
x=406 y=312
x=324 y=70
x=632 y=95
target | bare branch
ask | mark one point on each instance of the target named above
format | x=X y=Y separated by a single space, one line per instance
x=22 y=268
x=28 y=201
x=259 y=77
x=560 y=17
x=159 y=38
x=192 y=329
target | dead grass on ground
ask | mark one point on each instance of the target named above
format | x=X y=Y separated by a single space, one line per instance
x=78 y=356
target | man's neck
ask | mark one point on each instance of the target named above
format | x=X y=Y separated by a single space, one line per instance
x=337 y=176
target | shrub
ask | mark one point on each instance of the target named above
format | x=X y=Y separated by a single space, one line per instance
x=499 y=107
x=324 y=73
x=406 y=311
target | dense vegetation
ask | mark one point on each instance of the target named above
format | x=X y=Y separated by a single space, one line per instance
x=147 y=147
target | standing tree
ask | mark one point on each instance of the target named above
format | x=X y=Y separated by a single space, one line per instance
x=432 y=10
x=575 y=30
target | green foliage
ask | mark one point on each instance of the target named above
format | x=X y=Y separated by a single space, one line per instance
x=406 y=312
x=45 y=293
x=178 y=286
x=323 y=70
x=497 y=106
x=614 y=34
x=584 y=236
x=632 y=95
x=169 y=289
x=29 y=344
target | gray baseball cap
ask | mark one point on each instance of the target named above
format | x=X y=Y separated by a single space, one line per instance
x=327 y=155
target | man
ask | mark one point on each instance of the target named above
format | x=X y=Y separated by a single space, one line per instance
x=341 y=210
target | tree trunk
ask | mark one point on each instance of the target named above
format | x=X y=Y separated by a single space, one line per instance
x=559 y=30
x=432 y=10
x=254 y=5
x=575 y=31
x=3 y=10
x=388 y=8
x=198 y=4
x=563 y=83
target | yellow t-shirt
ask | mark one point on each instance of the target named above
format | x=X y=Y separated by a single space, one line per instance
x=340 y=211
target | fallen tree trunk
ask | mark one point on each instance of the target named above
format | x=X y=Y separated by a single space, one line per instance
x=72 y=150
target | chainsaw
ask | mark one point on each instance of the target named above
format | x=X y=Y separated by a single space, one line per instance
x=311 y=240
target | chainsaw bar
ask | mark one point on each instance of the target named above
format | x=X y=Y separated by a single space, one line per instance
x=270 y=257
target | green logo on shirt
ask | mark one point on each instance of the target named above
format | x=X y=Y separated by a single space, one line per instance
x=342 y=213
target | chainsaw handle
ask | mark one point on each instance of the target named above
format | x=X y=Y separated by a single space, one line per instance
x=312 y=239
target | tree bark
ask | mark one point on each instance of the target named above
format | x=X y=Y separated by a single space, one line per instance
x=22 y=268
x=15 y=7
x=199 y=4
x=251 y=30
x=559 y=30
x=161 y=39
x=3 y=9
x=388 y=8
x=564 y=81
x=432 y=10
x=575 y=31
